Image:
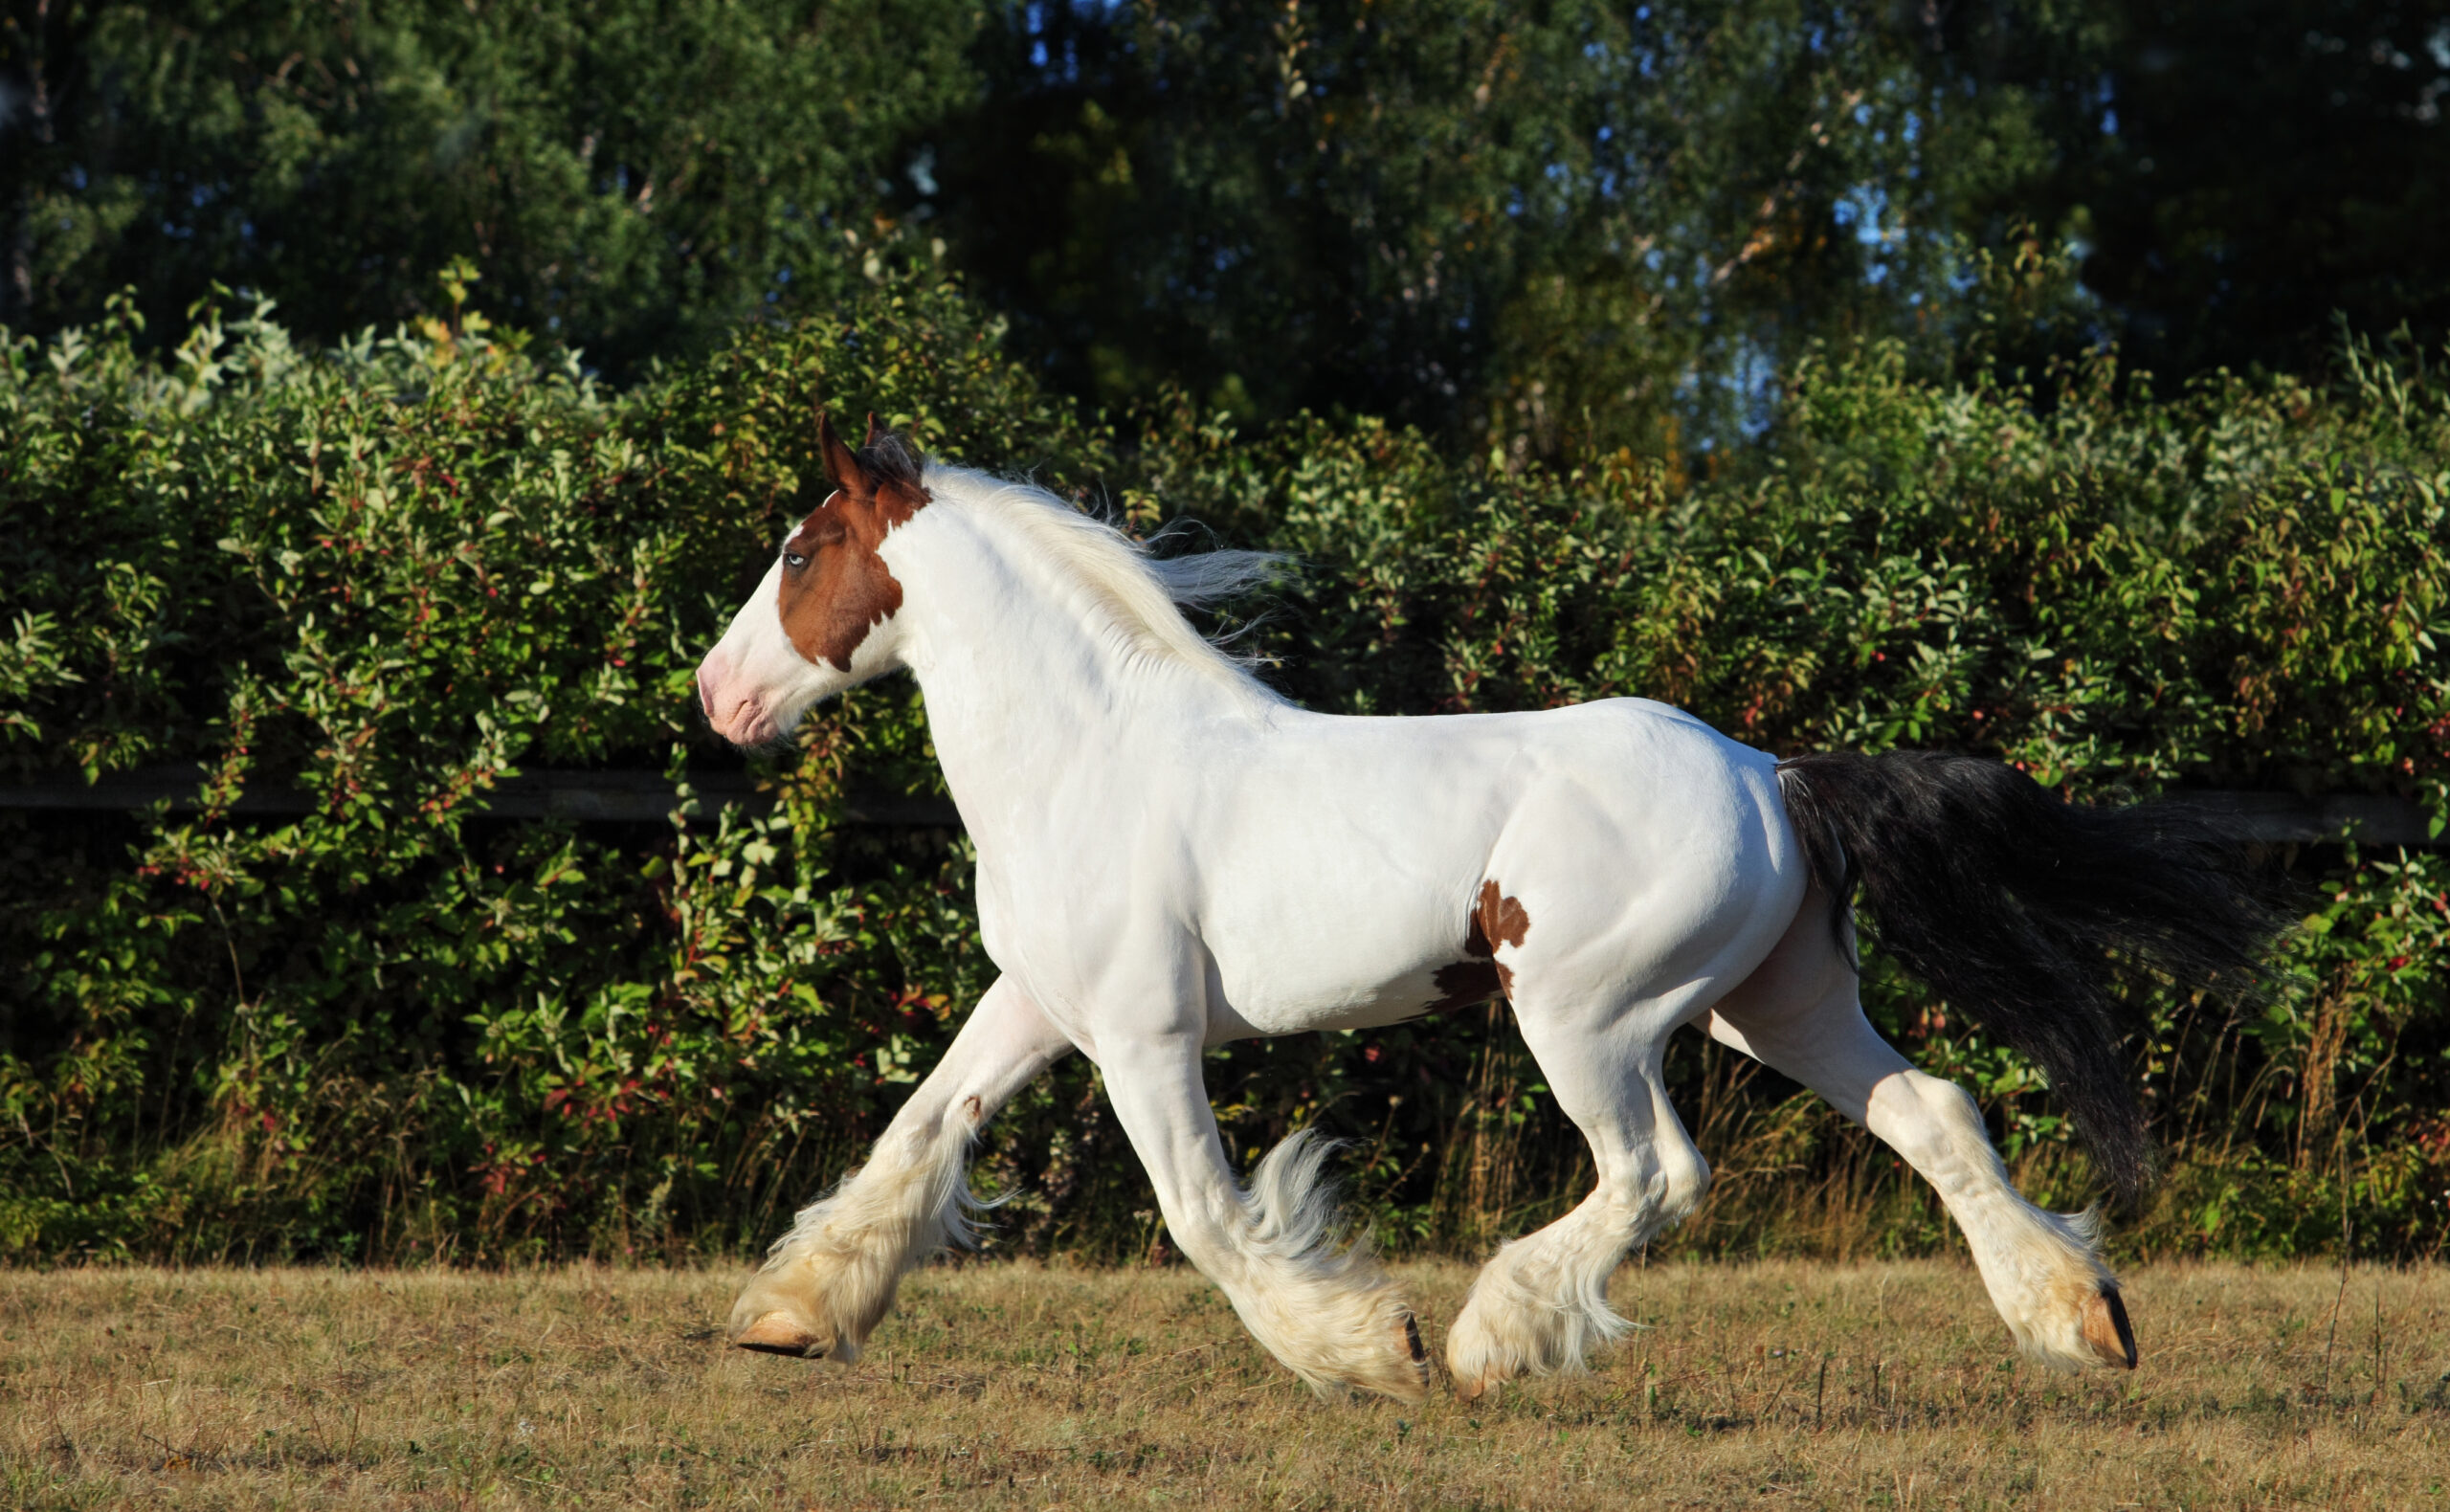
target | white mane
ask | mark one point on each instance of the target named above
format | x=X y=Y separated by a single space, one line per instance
x=1134 y=592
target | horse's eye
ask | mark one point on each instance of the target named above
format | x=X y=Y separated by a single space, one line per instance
x=795 y=559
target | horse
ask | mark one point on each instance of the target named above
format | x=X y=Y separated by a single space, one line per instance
x=1171 y=856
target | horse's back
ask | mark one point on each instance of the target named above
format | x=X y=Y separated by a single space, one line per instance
x=1359 y=871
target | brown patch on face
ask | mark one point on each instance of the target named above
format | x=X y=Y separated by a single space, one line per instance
x=1498 y=920
x=841 y=588
x=2106 y=1330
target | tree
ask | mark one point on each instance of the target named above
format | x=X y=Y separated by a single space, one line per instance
x=631 y=177
x=1556 y=230
x=1559 y=228
x=2245 y=171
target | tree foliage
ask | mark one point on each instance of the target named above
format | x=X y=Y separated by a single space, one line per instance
x=1563 y=228
x=1583 y=226
x=632 y=179
x=2256 y=169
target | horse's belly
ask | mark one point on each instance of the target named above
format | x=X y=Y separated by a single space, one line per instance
x=1363 y=976
x=1248 y=1015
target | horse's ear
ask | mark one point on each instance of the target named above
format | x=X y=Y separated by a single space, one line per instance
x=841 y=465
x=871 y=430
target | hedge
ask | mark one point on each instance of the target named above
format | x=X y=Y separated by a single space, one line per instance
x=394 y=574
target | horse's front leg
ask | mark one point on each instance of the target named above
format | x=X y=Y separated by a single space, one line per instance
x=1329 y=1313
x=833 y=1278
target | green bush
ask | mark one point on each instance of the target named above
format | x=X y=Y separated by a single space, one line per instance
x=393 y=574
x=390 y=576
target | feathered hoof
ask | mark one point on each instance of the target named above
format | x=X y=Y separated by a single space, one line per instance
x=2074 y=1321
x=1482 y=1385
x=1416 y=1359
x=1502 y=1336
x=781 y=1333
x=1403 y=1370
x=812 y=1311
x=1378 y=1350
x=1478 y=1365
x=2106 y=1331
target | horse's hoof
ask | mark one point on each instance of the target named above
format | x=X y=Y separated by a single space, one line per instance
x=779 y=1333
x=2106 y=1330
x=1418 y=1356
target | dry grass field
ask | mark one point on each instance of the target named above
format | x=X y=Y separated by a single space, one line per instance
x=1775 y=1385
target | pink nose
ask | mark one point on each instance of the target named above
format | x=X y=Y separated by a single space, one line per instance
x=712 y=674
x=734 y=705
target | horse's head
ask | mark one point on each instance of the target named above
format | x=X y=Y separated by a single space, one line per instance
x=822 y=619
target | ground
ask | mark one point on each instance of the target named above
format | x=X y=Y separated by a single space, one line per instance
x=1011 y=1385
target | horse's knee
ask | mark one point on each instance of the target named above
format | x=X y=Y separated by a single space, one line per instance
x=1658 y=1180
x=1936 y=1125
x=1684 y=1179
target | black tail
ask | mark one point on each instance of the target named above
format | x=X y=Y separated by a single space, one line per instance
x=2018 y=909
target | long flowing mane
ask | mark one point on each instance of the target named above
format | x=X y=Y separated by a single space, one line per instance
x=1133 y=594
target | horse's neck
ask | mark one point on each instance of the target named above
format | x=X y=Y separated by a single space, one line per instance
x=1025 y=687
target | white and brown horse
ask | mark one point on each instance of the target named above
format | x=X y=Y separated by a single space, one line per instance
x=1171 y=856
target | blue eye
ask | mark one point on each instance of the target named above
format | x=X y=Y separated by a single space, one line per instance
x=795 y=559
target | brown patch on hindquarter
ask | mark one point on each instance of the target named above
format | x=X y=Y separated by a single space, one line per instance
x=1462 y=984
x=2106 y=1330
x=1497 y=920
x=842 y=589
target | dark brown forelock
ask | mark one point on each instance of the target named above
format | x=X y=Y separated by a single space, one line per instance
x=889 y=460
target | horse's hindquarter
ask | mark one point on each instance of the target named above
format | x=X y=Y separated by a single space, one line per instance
x=1356 y=872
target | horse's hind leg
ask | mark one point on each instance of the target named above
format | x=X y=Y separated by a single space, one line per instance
x=1798 y=1014
x=1542 y=1300
x=831 y=1279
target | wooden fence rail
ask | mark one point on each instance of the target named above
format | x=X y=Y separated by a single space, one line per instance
x=639 y=797
x=630 y=797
